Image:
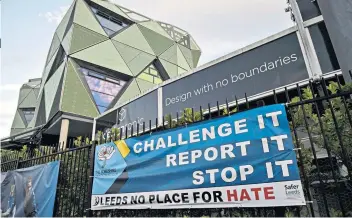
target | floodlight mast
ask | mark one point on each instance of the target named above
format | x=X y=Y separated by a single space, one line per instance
x=308 y=49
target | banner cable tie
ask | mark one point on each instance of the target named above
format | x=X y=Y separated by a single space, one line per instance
x=295 y=149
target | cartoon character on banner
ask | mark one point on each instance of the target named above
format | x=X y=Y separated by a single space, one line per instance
x=30 y=206
x=11 y=203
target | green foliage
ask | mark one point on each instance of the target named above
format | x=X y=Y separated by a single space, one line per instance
x=335 y=213
x=306 y=119
x=225 y=112
x=186 y=117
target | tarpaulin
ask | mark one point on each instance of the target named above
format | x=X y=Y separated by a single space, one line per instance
x=29 y=192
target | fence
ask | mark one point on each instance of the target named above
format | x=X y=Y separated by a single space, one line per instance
x=320 y=120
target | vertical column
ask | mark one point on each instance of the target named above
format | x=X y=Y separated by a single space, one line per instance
x=160 y=106
x=64 y=133
x=306 y=43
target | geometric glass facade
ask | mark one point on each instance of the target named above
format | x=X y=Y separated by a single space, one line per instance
x=28 y=114
x=151 y=74
x=104 y=89
x=110 y=24
x=102 y=55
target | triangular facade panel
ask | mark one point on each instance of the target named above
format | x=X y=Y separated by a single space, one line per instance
x=181 y=71
x=170 y=54
x=128 y=53
x=170 y=68
x=194 y=45
x=29 y=100
x=157 y=42
x=154 y=26
x=82 y=38
x=48 y=67
x=105 y=55
x=196 y=55
x=144 y=85
x=24 y=92
x=187 y=53
x=75 y=97
x=61 y=29
x=53 y=48
x=40 y=117
x=85 y=17
x=131 y=91
x=56 y=103
x=50 y=89
x=140 y=62
x=181 y=60
x=133 y=37
x=66 y=42
x=17 y=121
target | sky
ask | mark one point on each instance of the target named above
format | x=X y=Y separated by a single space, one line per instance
x=219 y=27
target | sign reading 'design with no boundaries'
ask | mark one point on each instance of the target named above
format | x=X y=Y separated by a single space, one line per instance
x=243 y=160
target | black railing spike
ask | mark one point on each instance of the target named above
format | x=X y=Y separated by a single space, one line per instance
x=126 y=132
x=275 y=97
x=227 y=107
x=150 y=125
x=247 y=104
x=193 y=115
x=137 y=129
x=121 y=132
x=201 y=112
x=156 y=124
x=170 y=121
x=218 y=108
x=209 y=110
x=163 y=120
x=177 y=118
x=238 y=109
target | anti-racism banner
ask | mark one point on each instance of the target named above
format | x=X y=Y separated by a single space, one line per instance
x=243 y=160
x=29 y=192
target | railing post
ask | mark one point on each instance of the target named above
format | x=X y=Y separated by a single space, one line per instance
x=90 y=178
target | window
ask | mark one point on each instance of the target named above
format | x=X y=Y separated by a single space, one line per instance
x=150 y=74
x=28 y=114
x=103 y=88
x=109 y=23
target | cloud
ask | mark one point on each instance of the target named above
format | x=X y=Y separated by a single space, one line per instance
x=55 y=16
x=8 y=101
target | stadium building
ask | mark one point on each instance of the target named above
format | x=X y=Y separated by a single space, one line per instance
x=109 y=66
x=101 y=54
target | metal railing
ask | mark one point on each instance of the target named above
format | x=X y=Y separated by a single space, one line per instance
x=321 y=125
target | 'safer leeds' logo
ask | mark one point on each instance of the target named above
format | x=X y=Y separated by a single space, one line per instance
x=292 y=191
x=122 y=114
x=106 y=153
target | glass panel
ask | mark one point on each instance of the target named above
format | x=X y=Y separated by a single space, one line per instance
x=102 y=109
x=146 y=77
x=154 y=72
x=157 y=80
x=102 y=99
x=28 y=114
x=103 y=89
x=110 y=24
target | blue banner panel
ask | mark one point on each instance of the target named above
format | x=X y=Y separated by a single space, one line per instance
x=29 y=192
x=243 y=160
